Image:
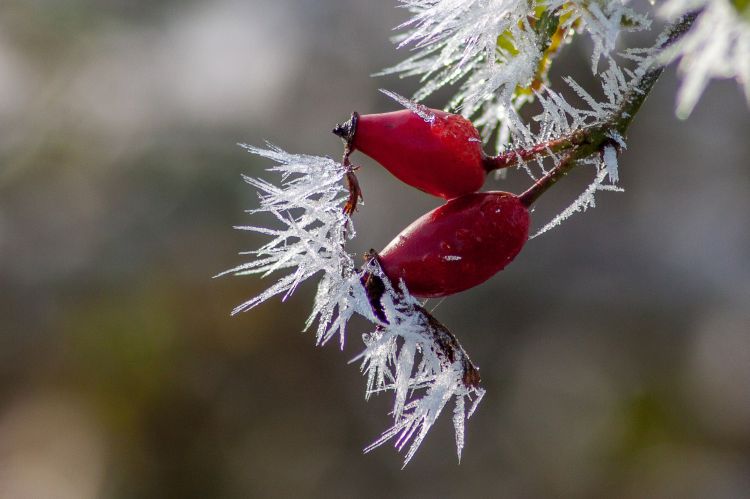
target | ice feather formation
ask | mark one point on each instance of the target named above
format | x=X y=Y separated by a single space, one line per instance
x=407 y=355
x=718 y=46
x=314 y=228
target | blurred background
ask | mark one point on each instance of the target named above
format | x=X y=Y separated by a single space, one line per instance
x=615 y=350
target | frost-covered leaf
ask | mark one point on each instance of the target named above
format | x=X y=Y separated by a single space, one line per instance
x=490 y=47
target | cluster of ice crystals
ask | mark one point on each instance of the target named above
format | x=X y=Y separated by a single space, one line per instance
x=602 y=20
x=457 y=41
x=558 y=118
x=408 y=353
x=585 y=201
x=337 y=300
x=313 y=229
x=455 y=38
x=491 y=47
x=717 y=46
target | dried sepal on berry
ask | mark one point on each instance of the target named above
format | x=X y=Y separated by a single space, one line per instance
x=417 y=358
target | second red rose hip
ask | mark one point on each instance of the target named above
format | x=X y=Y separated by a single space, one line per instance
x=458 y=245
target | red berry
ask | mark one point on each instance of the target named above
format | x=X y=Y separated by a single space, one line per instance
x=458 y=245
x=442 y=157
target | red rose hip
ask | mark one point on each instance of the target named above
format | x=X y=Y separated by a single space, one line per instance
x=458 y=245
x=440 y=153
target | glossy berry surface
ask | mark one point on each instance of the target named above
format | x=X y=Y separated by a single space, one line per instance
x=442 y=156
x=458 y=245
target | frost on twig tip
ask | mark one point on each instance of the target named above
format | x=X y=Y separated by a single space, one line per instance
x=409 y=353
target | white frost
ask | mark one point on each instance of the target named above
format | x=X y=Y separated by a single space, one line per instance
x=718 y=46
x=603 y=21
x=313 y=229
x=609 y=158
x=402 y=358
x=585 y=201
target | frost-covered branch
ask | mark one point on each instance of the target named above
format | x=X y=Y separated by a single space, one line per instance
x=605 y=136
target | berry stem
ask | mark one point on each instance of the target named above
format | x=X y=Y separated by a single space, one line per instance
x=533 y=193
x=587 y=141
x=512 y=158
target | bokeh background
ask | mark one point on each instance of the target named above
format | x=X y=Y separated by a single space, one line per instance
x=615 y=350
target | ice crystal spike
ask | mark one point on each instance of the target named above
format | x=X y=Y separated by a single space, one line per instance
x=419 y=109
x=585 y=201
x=609 y=158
